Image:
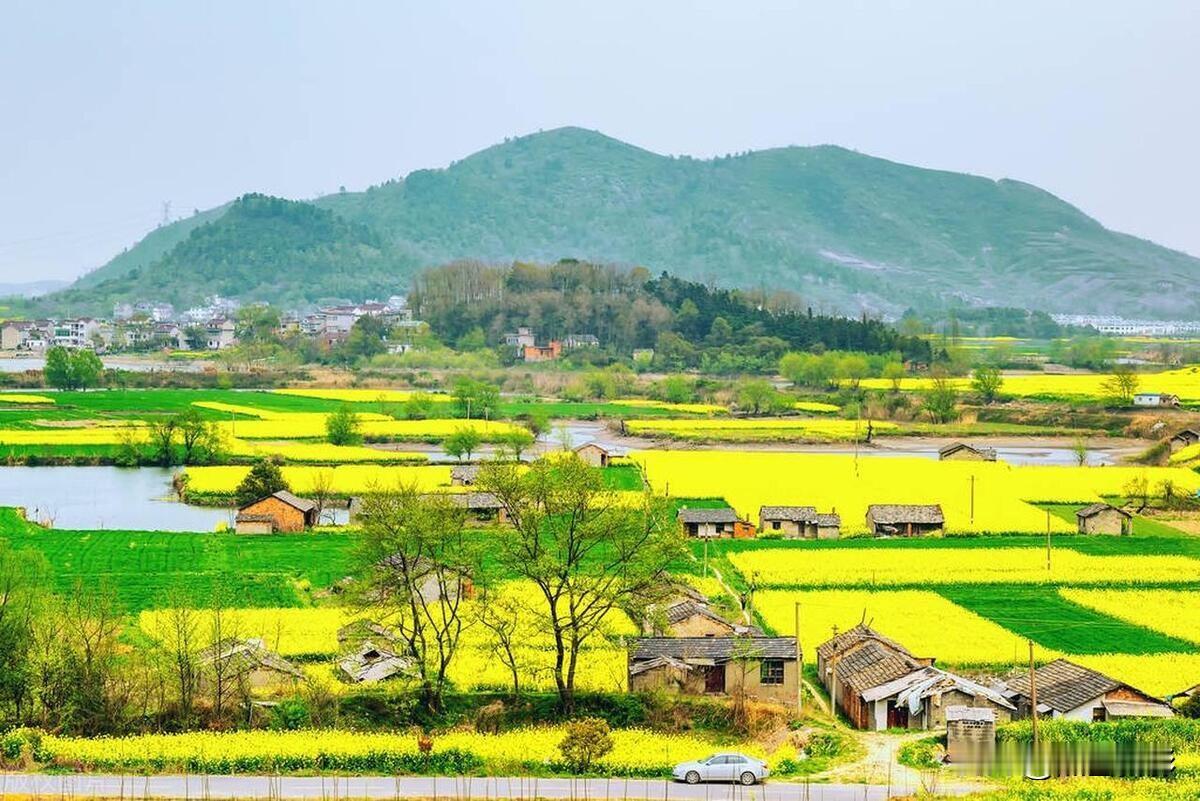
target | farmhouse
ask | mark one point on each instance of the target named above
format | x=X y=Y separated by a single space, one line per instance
x=484 y=507
x=369 y=663
x=708 y=522
x=463 y=475
x=281 y=511
x=799 y=522
x=686 y=613
x=765 y=668
x=1155 y=399
x=245 y=663
x=593 y=454
x=542 y=353
x=904 y=520
x=962 y=452
x=1072 y=692
x=1183 y=439
x=1100 y=518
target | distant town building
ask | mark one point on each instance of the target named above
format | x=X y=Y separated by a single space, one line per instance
x=1155 y=399
x=580 y=341
x=543 y=353
x=522 y=338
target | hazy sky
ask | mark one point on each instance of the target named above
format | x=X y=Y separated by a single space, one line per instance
x=108 y=109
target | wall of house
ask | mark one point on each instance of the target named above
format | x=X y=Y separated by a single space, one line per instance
x=829 y=532
x=745 y=675
x=1085 y=712
x=254 y=527
x=709 y=529
x=934 y=714
x=788 y=529
x=592 y=455
x=700 y=626
x=287 y=518
x=1109 y=521
x=668 y=679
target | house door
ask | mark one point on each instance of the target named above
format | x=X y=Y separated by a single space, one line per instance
x=714 y=679
x=897 y=716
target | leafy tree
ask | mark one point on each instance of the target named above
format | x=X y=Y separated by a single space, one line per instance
x=162 y=440
x=86 y=368
x=342 y=427
x=677 y=389
x=585 y=550
x=474 y=339
x=475 y=399
x=416 y=564
x=894 y=372
x=22 y=592
x=853 y=368
x=257 y=323
x=793 y=366
x=941 y=400
x=754 y=395
x=1190 y=708
x=515 y=442
x=587 y=741
x=68 y=370
x=987 y=381
x=1121 y=385
x=201 y=439
x=419 y=406
x=265 y=478
x=1079 y=449
x=367 y=338
x=57 y=371
x=463 y=442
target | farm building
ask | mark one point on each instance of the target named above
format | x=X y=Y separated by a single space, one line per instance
x=483 y=507
x=464 y=475
x=708 y=522
x=281 y=511
x=1155 y=399
x=1182 y=439
x=542 y=353
x=765 y=668
x=799 y=522
x=686 y=613
x=593 y=454
x=962 y=452
x=369 y=663
x=245 y=663
x=904 y=520
x=880 y=684
x=1072 y=692
x=1100 y=518
x=430 y=583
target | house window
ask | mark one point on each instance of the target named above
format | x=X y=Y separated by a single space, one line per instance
x=771 y=671
x=775 y=524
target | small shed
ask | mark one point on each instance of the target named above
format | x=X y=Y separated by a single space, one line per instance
x=593 y=454
x=1183 y=439
x=464 y=475
x=1101 y=518
x=799 y=522
x=370 y=662
x=280 y=511
x=962 y=452
x=709 y=523
x=1155 y=399
x=970 y=735
x=483 y=507
x=248 y=663
x=905 y=519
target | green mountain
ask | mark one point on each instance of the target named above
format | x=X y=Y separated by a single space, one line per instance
x=848 y=232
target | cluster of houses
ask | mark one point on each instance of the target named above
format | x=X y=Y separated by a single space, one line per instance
x=211 y=326
x=527 y=347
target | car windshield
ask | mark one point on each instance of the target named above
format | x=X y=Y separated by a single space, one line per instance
x=710 y=759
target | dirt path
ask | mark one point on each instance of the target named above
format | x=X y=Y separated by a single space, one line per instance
x=878 y=765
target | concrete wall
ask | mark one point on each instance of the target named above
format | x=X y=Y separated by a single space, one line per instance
x=746 y=676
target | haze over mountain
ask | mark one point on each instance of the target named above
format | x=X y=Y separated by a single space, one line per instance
x=849 y=232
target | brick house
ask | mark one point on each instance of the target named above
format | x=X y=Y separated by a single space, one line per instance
x=905 y=519
x=280 y=512
x=593 y=454
x=708 y=522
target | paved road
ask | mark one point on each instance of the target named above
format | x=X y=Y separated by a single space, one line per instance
x=85 y=786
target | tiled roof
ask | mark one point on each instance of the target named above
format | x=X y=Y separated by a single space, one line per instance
x=1063 y=685
x=792 y=514
x=873 y=664
x=303 y=504
x=724 y=515
x=849 y=637
x=1097 y=508
x=892 y=513
x=832 y=519
x=988 y=454
x=713 y=649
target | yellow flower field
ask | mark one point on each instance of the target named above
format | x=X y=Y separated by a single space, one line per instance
x=289 y=632
x=925 y=622
x=344 y=479
x=883 y=567
x=687 y=408
x=17 y=397
x=269 y=414
x=748 y=480
x=305 y=425
x=759 y=429
x=319 y=452
x=1172 y=612
x=816 y=406
x=363 y=395
x=1158 y=674
x=72 y=435
x=1184 y=382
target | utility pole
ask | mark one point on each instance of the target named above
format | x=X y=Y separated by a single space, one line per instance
x=972 y=499
x=799 y=664
x=706 y=557
x=1033 y=697
x=1047 y=539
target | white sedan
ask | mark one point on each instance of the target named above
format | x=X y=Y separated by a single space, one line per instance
x=722 y=768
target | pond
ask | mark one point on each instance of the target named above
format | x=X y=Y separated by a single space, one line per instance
x=104 y=498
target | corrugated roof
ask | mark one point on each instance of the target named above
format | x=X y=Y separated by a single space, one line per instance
x=723 y=515
x=982 y=714
x=892 y=513
x=713 y=649
x=792 y=514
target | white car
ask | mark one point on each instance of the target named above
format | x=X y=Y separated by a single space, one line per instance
x=722 y=768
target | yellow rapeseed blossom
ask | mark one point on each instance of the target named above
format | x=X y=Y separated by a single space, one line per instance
x=343 y=479
x=688 y=408
x=759 y=429
x=319 y=452
x=925 y=622
x=290 y=632
x=1184 y=382
x=1159 y=675
x=975 y=496
x=816 y=406
x=17 y=397
x=1172 y=612
x=883 y=567
x=72 y=435
x=363 y=395
x=305 y=425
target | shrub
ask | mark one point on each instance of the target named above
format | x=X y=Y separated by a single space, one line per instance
x=342 y=427
x=290 y=714
x=587 y=740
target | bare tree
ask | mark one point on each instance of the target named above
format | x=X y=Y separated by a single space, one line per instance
x=501 y=615
x=221 y=670
x=180 y=646
x=585 y=551
x=320 y=492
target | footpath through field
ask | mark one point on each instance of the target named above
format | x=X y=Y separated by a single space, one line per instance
x=449 y=788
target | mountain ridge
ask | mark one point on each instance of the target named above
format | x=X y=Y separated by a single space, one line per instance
x=848 y=231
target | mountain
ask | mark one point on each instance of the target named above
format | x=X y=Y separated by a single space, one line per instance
x=848 y=232
x=30 y=289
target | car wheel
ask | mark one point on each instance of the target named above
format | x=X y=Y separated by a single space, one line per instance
x=748 y=778
x=692 y=777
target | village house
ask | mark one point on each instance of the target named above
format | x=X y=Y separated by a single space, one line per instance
x=708 y=522
x=1183 y=439
x=1188 y=693
x=432 y=585
x=369 y=662
x=905 y=520
x=483 y=507
x=280 y=512
x=464 y=475
x=1100 y=518
x=593 y=454
x=764 y=668
x=962 y=452
x=686 y=613
x=83 y=332
x=1072 y=692
x=542 y=353
x=522 y=338
x=220 y=334
x=1155 y=399
x=880 y=684
x=799 y=522
x=246 y=664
